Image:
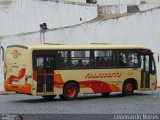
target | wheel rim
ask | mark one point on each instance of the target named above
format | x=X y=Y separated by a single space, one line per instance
x=71 y=91
x=129 y=87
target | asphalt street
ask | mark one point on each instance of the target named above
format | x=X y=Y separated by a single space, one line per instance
x=87 y=107
x=141 y=102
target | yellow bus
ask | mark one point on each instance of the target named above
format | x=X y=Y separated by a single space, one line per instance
x=66 y=70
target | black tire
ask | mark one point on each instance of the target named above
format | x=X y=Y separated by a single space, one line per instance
x=128 y=88
x=106 y=94
x=49 y=97
x=70 y=91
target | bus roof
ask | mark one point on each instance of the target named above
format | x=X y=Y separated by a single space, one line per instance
x=72 y=47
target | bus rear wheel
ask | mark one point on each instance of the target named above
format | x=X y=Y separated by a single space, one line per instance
x=70 y=91
x=106 y=94
x=128 y=88
x=49 y=97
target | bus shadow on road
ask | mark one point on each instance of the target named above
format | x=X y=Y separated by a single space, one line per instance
x=112 y=96
x=82 y=97
x=38 y=100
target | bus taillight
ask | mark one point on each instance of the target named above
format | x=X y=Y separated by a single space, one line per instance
x=5 y=70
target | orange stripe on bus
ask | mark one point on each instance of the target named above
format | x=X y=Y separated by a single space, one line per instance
x=58 y=78
x=18 y=88
x=58 y=81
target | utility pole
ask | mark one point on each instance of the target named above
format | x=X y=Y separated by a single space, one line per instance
x=42 y=36
x=43 y=30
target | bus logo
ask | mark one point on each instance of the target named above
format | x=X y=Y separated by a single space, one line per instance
x=15 y=54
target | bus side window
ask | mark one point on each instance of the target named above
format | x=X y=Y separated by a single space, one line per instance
x=153 y=70
x=40 y=63
x=49 y=64
x=128 y=58
x=130 y=62
x=121 y=60
x=80 y=59
x=80 y=64
x=62 y=60
x=104 y=58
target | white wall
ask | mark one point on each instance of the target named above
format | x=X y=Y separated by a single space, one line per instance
x=112 y=9
x=147 y=6
x=25 y=15
x=118 y=2
x=152 y=1
x=140 y=28
x=115 y=6
x=81 y=1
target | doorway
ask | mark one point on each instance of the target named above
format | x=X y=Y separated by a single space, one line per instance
x=45 y=74
x=145 y=71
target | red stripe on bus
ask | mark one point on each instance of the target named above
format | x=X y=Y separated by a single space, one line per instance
x=17 y=78
x=99 y=86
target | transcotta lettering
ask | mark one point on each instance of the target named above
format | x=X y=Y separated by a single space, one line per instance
x=103 y=75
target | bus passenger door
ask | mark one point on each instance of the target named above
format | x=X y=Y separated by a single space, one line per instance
x=145 y=75
x=45 y=74
x=148 y=74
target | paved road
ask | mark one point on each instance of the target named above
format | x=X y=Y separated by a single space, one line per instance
x=141 y=102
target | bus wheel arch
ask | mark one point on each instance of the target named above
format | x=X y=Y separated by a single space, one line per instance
x=70 y=90
x=129 y=86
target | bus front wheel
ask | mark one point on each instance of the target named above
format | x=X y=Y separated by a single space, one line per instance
x=70 y=91
x=128 y=88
